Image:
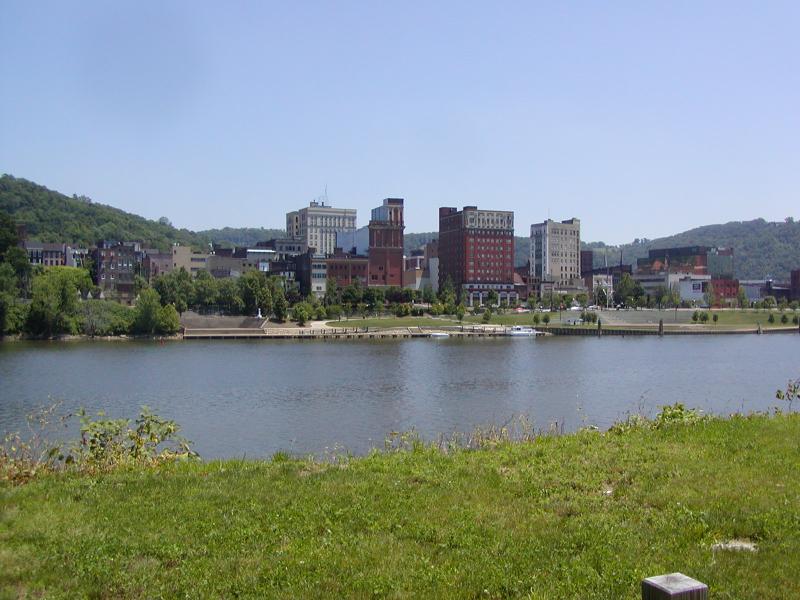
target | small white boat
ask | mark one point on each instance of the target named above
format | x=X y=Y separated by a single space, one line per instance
x=438 y=334
x=520 y=331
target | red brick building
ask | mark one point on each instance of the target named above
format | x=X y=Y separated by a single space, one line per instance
x=726 y=290
x=386 y=244
x=476 y=252
x=346 y=268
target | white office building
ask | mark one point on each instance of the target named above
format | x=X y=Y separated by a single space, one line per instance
x=317 y=225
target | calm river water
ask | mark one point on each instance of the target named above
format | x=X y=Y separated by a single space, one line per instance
x=236 y=398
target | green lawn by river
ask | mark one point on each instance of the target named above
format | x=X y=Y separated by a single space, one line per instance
x=576 y=516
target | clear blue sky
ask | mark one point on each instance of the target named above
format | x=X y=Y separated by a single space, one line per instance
x=643 y=119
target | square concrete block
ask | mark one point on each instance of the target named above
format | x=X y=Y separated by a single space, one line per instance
x=675 y=586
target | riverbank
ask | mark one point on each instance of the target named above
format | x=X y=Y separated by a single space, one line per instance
x=584 y=515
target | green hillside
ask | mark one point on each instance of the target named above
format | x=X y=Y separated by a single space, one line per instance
x=241 y=236
x=50 y=216
x=761 y=248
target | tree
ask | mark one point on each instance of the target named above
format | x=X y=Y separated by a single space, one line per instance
x=741 y=298
x=8 y=234
x=175 y=287
x=536 y=319
x=54 y=303
x=546 y=319
x=168 y=320
x=447 y=293
x=353 y=294
x=374 y=297
x=301 y=313
x=428 y=297
x=104 y=317
x=624 y=290
x=460 y=312
x=280 y=307
x=487 y=316
x=492 y=298
x=206 y=290
x=331 y=292
x=771 y=318
x=147 y=312
x=715 y=318
x=255 y=293
x=228 y=297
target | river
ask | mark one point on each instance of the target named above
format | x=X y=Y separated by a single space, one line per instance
x=253 y=398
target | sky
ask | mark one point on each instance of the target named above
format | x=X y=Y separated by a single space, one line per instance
x=643 y=119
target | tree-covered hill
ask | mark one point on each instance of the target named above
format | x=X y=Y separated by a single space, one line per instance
x=242 y=236
x=50 y=216
x=761 y=248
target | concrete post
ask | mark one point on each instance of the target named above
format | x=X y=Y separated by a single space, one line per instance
x=675 y=586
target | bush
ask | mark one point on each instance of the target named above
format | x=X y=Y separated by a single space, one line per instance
x=796 y=320
x=105 y=317
x=104 y=445
x=536 y=319
x=784 y=319
x=695 y=316
x=334 y=311
x=402 y=310
x=771 y=318
x=546 y=319
x=436 y=309
x=487 y=316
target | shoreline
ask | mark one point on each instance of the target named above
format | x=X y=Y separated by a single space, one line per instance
x=355 y=332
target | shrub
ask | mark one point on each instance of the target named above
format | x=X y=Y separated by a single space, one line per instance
x=771 y=318
x=536 y=319
x=104 y=444
x=784 y=319
x=546 y=319
x=487 y=316
x=695 y=316
x=796 y=320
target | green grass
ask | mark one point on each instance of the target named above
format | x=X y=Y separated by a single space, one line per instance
x=521 y=318
x=751 y=318
x=389 y=322
x=578 y=516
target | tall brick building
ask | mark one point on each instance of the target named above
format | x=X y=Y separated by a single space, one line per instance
x=386 y=244
x=476 y=252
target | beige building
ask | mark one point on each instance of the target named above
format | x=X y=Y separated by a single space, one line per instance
x=317 y=225
x=555 y=260
x=182 y=256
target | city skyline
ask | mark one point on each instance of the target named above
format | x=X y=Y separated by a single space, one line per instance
x=640 y=121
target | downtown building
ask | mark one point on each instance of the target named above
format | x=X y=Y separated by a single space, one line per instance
x=385 y=250
x=317 y=224
x=555 y=260
x=476 y=253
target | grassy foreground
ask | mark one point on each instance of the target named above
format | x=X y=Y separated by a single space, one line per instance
x=577 y=516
